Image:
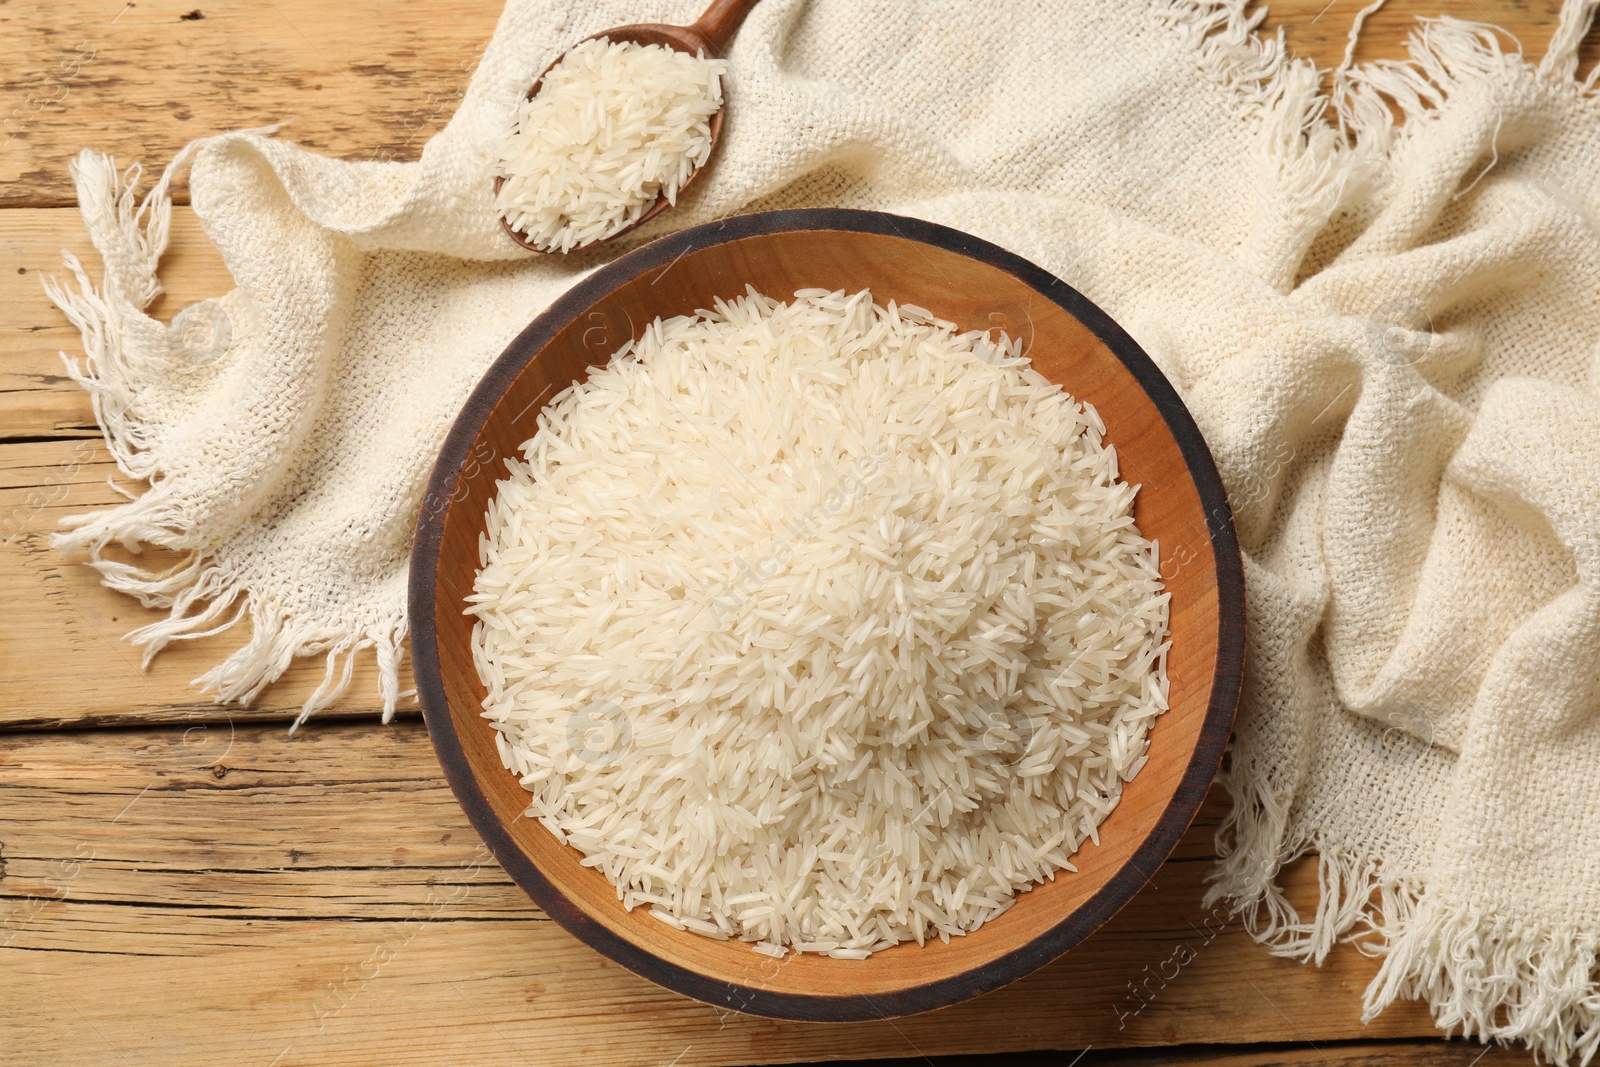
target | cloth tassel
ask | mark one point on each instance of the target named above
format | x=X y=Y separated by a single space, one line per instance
x=1482 y=977
x=123 y=348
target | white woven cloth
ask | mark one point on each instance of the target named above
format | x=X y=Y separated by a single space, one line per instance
x=1388 y=334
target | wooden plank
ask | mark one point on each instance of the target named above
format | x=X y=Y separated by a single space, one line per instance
x=359 y=80
x=366 y=79
x=1436 y=1053
x=325 y=895
x=60 y=622
x=62 y=650
x=1320 y=29
x=335 y=804
x=37 y=399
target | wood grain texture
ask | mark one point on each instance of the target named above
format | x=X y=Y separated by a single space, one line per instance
x=372 y=80
x=62 y=650
x=1320 y=29
x=361 y=80
x=264 y=923
x=60 y=623
x=1436 y=1053
x=1361 y=1054
x=224 y=895
x=37 y=399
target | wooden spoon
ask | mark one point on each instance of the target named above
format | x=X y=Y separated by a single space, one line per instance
x=708 y=36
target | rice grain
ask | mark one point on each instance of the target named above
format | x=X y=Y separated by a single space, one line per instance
x=819 y=624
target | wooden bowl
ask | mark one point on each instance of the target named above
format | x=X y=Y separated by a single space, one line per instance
x=975 y=285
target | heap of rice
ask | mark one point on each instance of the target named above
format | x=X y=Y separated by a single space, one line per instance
x=613 y=127
x=819 y=625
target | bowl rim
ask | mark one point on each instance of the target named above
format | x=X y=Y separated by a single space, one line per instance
x=1121 y=887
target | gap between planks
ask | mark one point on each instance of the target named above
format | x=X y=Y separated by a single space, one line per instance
x=325 y=892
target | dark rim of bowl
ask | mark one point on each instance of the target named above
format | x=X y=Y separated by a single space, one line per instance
x=1072 y=929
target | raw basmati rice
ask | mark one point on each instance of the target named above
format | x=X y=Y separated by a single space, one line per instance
x=819 y=625
x=614 y=126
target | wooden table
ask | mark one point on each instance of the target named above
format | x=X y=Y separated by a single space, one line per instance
x=184 y=883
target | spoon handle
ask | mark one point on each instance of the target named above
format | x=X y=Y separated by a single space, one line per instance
x=721 y=20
